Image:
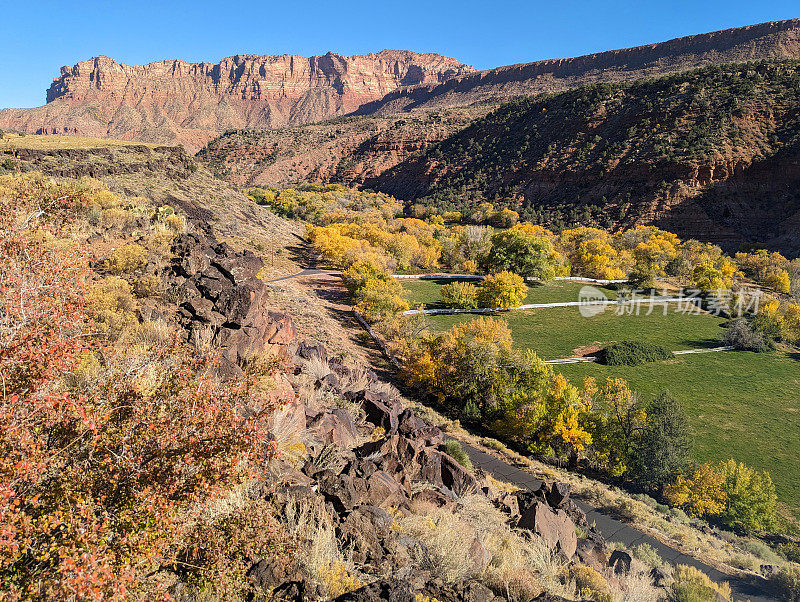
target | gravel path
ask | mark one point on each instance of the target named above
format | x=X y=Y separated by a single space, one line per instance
x=591 y=358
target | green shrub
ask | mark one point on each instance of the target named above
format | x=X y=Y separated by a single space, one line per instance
x=648 y=555
x=786 y=583
x=741 y=335
x=632 y=353
x=453 y=449
x=460 y=295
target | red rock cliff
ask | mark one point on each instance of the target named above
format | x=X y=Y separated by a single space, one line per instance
x=178 y=102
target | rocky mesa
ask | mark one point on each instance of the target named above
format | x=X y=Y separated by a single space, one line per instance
x=174 y=101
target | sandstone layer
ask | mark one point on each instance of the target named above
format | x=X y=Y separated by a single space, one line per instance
x=775 y=39
x=174 y=101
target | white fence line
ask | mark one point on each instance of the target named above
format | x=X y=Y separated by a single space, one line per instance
x=591 y=358
x=709 y=350
x=481 y=277
x=487 y=310
x=438 y=276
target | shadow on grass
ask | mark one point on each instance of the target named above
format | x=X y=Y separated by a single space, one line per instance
x=702 y=343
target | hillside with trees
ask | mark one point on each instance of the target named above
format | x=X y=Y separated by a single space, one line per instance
x=708 y=154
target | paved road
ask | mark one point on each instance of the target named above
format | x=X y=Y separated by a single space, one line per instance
x=615 y=530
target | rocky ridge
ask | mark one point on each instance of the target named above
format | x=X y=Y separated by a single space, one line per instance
x=774 y=39
x=169 y=161
x=710 y=153
x=348 y=150
x=174 y=101
x=366 y=462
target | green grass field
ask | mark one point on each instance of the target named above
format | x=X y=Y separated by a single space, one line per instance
x=741 y=405
x=556 y=332
x=426 y=292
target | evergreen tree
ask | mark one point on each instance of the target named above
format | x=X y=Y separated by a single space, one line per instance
x=662 y=451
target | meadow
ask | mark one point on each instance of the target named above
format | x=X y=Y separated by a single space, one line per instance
x=426 y=292
x=46 y=142
x=557 y=332
x=741 y=404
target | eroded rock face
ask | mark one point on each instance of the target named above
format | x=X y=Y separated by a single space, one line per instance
x=173 y=101
x=223 y=303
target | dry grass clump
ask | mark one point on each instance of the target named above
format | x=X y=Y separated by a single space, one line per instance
x=590 y=584
x=320 y=556
x=356 y=380
x=521 y=566
x=316 y=368
x=113 y=306
x=692 y=585
x=289 y=434
x=126 y=259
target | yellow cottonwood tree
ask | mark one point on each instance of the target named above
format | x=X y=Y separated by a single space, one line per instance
x=702 y=494
x=503 y=290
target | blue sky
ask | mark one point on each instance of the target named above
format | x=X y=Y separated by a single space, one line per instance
x=38 y=37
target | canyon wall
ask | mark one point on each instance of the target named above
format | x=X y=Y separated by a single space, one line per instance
x=190 y=103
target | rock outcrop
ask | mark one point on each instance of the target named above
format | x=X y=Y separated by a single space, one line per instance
x=363 y=474
x=174 y=101
x=775 y=39
x=222 y=303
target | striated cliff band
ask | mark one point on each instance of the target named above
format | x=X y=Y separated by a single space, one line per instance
x=775 y=39
x=173 y=101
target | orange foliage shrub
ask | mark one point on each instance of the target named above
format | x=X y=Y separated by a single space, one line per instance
x=98 y=476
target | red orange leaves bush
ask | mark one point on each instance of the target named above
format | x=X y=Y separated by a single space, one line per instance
x=99 y=475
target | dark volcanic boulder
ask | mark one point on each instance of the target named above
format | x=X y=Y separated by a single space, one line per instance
x=380 y=410
x=383 y=491
x=620 y=561
x=280 y=575
x=337 y=428
x=393 y=590
x=555 y=528
x=557 y=494
x=222 y=302
x=307 y=351
x=592 y=554
x=363 y=531
x=457 y=478
x=412 y=427
x=434 y=498
x=467 y=591
x=339 y=490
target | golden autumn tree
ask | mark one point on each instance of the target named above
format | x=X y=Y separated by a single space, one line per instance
x=502 y=290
